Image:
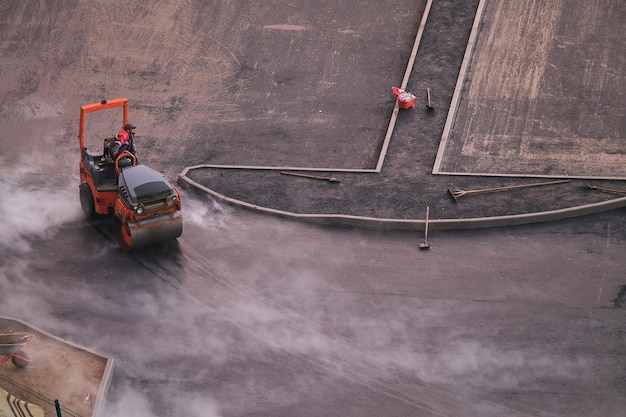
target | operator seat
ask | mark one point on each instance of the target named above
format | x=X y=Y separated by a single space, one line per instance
x=106 y=151
x=107 y=164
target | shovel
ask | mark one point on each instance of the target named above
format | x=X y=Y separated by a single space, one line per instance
x=425 y=244
x=429 y=106
x=316 y=177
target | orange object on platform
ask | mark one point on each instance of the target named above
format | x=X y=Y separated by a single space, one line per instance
x=405 y=104
x=405 y=99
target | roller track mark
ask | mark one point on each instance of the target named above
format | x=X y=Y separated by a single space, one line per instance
x=202 y=64
x=67 y=42
x=34 y=21
x=242 y=17
x=193 y=52
x=5 y=11
x=223 y=36
x=18 y=44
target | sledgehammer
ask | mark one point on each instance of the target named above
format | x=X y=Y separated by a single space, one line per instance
x=317 y=177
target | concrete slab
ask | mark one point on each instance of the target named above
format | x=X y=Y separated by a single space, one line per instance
x=544 y=93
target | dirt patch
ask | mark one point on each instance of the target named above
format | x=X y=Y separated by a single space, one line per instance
x=58 y=371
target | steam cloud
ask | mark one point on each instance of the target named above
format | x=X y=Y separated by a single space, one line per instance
x=237 y=321
x=31 y=209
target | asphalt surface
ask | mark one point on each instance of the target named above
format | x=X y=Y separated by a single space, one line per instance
x=250 y=315
x=404 y=186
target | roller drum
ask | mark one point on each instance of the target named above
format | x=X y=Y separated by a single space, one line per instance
x=157 y=229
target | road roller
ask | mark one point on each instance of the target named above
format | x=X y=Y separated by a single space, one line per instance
x=145 y=207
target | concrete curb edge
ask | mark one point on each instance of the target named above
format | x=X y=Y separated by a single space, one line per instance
x=410 y=224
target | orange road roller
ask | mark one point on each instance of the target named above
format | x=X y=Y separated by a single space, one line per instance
x=145 y=206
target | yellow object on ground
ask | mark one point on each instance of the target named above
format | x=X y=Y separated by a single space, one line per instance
x=10 y=406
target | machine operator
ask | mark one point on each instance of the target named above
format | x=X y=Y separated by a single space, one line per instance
x=124 y=142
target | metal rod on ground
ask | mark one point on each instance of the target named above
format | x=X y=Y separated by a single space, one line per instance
x=317 y=177
x=58 y=407
x=425 y=244
x=428 y=105
x=460 y=193
x=606 y=190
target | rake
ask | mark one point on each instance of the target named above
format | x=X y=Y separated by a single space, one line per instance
x=606 y=190
x=460 y=193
